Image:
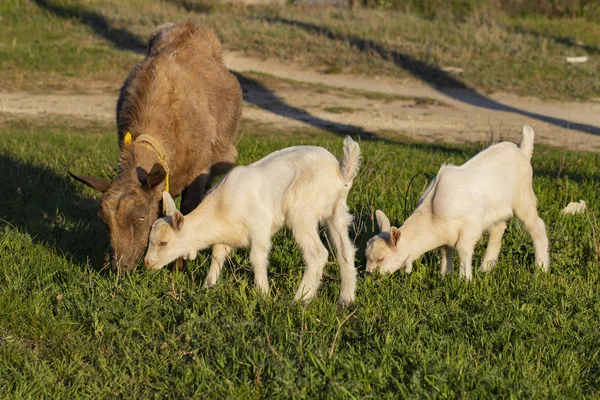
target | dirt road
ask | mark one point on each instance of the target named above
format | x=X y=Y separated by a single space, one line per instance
x=457 y=116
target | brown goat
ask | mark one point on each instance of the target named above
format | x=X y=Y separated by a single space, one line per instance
x=187 y=105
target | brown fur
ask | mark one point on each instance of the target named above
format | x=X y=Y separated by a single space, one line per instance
x=183 y=96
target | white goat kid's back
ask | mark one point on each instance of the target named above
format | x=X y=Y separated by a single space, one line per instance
x=298 y=187
x=459 y=205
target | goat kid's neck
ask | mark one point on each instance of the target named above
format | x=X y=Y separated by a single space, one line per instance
x=419 y=234
x=205 y=227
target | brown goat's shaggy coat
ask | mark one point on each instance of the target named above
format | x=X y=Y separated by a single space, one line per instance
x=182 y=95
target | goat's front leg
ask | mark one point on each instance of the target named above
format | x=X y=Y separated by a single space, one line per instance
x=493 y=248
x=408 y=267
x=465 y=248
x=259 y=257
x=446 y=253
x=219 y=254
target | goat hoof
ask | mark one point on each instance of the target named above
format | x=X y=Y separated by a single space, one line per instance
x=344 y=302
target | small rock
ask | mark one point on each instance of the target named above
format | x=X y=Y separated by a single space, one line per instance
x=577 y=60
x=575 y=207
x=453 y=69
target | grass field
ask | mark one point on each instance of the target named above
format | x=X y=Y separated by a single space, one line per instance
x=72 y=45
x=70 y=328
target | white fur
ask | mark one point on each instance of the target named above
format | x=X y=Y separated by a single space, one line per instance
x=298 y=187
x=459 y=205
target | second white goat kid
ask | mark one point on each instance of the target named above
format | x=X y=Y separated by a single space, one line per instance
x=459 y=205
x=298 y=187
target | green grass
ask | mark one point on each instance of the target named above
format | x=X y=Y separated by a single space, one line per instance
x=66 y=44
x=340 y=110
x=69 y=328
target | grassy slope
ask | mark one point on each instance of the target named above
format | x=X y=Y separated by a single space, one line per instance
x=65 y=44
x=69 y=329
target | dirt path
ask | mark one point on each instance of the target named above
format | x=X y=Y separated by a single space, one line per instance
x=463 y=116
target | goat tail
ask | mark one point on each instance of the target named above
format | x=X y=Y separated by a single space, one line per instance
x=351 y=161
x=527 y=141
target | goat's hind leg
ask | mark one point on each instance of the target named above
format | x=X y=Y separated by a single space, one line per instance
x=493 y=248
x=338 y=231
x=315 y=257
x=526 y=211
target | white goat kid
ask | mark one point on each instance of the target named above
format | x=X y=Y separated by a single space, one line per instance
x=459 y=205
x=298 y=187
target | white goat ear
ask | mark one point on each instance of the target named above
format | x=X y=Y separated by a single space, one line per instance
x=382 y=221
x=395 y=234
x=177 y=219
x=168 y=204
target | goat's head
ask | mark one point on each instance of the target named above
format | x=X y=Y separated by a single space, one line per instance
x=383 y=250
x=166 y=241
x=129 y=206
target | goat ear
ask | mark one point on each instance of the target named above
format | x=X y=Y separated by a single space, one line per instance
x=156 y=175
x=177 y=218
x=95 y=183
x=395 y=234
x=382 y=221
x=168 y=204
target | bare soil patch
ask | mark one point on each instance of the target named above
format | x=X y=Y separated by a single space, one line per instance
x=290 y=102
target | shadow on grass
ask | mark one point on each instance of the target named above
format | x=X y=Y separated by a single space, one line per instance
x=38 y=201
x=121 y=38
x=430 y=74
x=564 y=40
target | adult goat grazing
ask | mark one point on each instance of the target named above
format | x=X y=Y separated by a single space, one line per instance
x=177 y=120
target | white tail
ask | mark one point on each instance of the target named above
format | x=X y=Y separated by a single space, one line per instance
x=351 y=160
x=527 y=141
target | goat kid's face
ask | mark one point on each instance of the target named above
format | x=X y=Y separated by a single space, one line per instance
x=165 y=242
x=383 y=250
x=128 y=207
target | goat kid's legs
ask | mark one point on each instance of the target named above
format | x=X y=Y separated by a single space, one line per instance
x=259 y=257
x=219 y=254
x=338 y=231
x=446 y=253
x=493 y=248
x=315 y=257
x=527 y=213
x=465 y=247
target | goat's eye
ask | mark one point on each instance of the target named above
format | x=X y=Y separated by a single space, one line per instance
x=143 y=217
x=380 y=260
x=162 y=243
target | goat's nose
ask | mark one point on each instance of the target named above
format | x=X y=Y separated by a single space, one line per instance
x=146 y=263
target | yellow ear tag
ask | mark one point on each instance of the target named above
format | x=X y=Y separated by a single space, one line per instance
x=127 y=139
